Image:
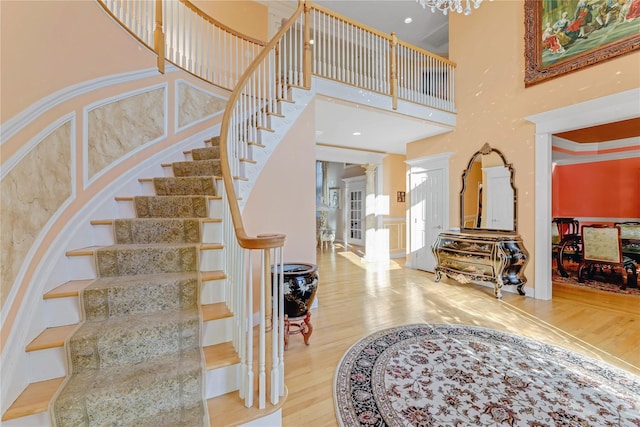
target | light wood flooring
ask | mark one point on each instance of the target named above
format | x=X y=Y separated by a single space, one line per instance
x=356 y=299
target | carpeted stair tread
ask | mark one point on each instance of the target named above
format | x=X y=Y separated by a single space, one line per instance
x=182 y=417
x=171 y=206
x=185 y=185
x=135 y=394
x=132 y=340
x=128 y=260
x=213 y=140
x=197 y=168
x=118 y=296
x=206 y=153
x=157 y=230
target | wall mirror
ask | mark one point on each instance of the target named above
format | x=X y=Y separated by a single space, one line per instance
x=488 y=197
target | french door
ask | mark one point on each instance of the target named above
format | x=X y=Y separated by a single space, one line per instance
x=356 y=216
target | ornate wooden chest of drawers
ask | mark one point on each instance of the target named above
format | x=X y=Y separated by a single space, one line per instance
x=498 y=258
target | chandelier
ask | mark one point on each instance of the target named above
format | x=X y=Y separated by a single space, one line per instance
x=445 y=6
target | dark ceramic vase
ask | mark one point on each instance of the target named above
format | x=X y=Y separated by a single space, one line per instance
x=300 y=286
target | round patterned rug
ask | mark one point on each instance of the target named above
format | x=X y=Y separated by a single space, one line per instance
x=456 y=375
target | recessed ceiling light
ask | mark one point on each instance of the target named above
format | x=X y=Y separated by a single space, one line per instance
x=356 y=134
x=408 y=20
x=311 y=41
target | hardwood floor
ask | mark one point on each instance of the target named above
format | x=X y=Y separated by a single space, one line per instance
x=356 y=299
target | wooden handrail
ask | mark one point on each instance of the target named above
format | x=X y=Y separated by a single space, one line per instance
x=262 y=241
x=426 y=53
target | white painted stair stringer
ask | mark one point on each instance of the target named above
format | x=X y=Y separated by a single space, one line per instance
x=280 y=125
x=56 y=268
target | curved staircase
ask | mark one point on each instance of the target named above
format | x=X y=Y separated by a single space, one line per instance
x=154 y=344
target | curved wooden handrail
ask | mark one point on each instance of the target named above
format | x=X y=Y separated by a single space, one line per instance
x=262 y=241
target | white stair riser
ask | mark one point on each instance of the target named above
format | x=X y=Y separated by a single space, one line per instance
x=47 y=364
x=103 y=235
x=212 y=291
x=211 y=259
x=126 y=209
x=82 y=266
x=217 y=331
x=147 y=188
x=215 y=208
x=167 y=170
x=62 y=311
x=222 y=381
x=212 y=232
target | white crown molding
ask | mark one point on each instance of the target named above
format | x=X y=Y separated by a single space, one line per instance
x=612 y=108
x=618 y=155
x=576 y=147
x=15 y=124
x=347 y=155
x=429 y=159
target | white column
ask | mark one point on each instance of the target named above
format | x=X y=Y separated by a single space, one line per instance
x=371 y=249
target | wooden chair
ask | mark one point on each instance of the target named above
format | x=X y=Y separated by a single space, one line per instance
x=602 y=249
x=630 y=237
x=565 y=242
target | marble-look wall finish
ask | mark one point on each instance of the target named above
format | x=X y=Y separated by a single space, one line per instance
x=32 y=192
x=195 y=104
x=117 y=128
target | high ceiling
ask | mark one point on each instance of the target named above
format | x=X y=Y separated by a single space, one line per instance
x=344 y=124
x=428 y=30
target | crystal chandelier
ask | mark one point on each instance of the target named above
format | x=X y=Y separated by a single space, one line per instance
x=445 y=6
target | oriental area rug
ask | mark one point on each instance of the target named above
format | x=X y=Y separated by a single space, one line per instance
x=456 y=375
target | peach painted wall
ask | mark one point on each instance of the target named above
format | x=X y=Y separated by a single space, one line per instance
x=38 y=58
x=492 y=102
x=247 y=17
x=608 y=189
x=288 y=181
x=394 y=180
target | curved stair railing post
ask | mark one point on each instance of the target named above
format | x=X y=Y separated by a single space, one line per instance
x=158 y=37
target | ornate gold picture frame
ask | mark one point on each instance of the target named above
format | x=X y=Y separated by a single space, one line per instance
x=562 y=36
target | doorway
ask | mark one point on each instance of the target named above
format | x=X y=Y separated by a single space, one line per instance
x=356 y=210
x=429 y=207
x=611 y=108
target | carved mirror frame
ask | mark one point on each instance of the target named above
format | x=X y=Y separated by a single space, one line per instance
x=484 y=151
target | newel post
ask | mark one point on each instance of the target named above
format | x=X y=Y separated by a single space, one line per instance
x=306 y=54
x=393 y=71
x=158 y=37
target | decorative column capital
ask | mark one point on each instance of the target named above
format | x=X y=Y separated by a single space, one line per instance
x=369 y=168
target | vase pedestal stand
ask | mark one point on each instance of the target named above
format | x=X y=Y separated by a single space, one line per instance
x=297 y=325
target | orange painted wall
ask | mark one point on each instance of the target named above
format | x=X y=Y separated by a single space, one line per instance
x=608 y=189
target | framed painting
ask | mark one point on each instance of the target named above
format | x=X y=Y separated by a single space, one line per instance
x=562 y=36
x=334 y=198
